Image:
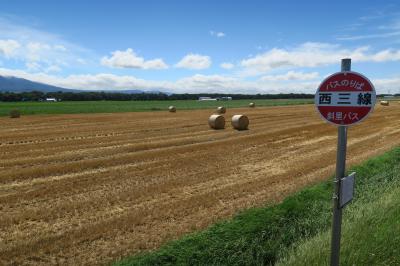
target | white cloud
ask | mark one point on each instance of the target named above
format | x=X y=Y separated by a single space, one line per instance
x=382 y=56
x=52 y=68
x=218 y=34
x=36 y=56
x=194 y=61
x=369 y=36
x=86 y=81
x=129 y=59
x=8 y=47
x=311 y=55
x=291 y=75
x=37 y=47
x=387 y=85
x=60 y=47
x=227 y=65
x=56 y=66
x=155 y=64
x=209 y=83
x=193 y=84
x=33 y=66
x=388 y=28
x=36 y=51
x=81 y=61
x=30 y=45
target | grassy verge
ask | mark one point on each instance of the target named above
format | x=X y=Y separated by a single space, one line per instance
x=29 y=108
x=262 y=236
x=370 y=231
x=371 y=236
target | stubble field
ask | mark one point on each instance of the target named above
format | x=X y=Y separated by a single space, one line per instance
x=89 y=189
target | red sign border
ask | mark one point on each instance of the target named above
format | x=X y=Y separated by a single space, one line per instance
x=341 y=72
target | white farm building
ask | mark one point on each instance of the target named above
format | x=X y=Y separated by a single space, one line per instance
x=207 y=99
x=51 y=100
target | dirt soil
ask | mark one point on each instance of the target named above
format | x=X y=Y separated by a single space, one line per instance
x=90 y=189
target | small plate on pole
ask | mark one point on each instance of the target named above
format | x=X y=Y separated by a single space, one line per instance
x=346 y=189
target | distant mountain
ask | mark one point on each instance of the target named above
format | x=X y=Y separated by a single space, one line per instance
x=13 y=84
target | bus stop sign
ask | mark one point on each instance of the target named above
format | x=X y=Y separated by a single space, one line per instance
x=345 y=98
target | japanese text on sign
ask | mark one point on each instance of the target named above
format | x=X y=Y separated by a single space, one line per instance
x=345 y=83
x=341 y=116
x=344 y=99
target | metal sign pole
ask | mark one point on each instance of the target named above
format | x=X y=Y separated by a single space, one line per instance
x=340 y=172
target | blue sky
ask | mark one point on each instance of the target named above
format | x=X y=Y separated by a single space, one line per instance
x=199 y=46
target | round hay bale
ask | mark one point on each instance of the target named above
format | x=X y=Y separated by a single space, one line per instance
x=252 y=105
x=221 y=110
x=385 y=103
x=172 y=109
x=15 y=113
x=216 y=121
x=240 y=122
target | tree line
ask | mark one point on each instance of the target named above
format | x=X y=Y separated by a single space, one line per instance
x=117 y=96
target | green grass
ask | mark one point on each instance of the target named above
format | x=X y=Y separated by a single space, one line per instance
x=370 y=236
x=263 y=236
x=76 y=107
x=371 y=226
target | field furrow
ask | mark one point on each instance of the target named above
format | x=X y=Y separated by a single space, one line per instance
x=88 y=189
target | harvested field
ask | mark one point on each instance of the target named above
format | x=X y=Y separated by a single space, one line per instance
x=89 y=189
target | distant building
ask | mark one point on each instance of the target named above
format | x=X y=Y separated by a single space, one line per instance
x=207 y=99
x=51 y=100
x=226 y=98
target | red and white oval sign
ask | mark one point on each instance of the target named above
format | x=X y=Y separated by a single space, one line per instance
x=345 y=98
